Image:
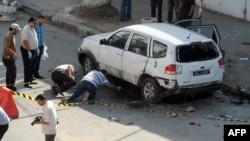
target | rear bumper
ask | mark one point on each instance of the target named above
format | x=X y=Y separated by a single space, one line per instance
x=194 y=91
x=200 y=90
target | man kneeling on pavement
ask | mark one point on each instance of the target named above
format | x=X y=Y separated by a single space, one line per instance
x=62 y=78
x=89 y=83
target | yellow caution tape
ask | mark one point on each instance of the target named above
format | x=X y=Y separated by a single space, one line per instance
x=24 y=95
x=125 y=107
x=231 y=120
x=103 y=104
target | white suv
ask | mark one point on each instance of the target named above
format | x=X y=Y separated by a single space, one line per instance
x=162 y=59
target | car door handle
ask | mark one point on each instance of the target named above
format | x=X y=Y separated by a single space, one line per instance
x=155 y=64
x=120 y=54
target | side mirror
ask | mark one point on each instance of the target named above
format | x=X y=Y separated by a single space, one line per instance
x=103 y=41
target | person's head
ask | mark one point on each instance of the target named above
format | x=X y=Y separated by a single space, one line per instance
x=32 y=22
x=14 y=28
x=41 y=19
x=104 y=72
x=40 y=99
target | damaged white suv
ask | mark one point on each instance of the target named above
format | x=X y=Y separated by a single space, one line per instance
x=162 y=59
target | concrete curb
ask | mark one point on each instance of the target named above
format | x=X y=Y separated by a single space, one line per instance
x=235 y=91
x=64 y=22
x=60 y=20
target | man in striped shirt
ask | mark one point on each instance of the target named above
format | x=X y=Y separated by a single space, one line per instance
x=39 y=30
x=89 y=83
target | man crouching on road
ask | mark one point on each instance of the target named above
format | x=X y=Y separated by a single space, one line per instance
x=49 y=118
x=62 y=78
x=89 y=83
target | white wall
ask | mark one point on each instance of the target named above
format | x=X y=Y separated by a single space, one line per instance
x=233 y=8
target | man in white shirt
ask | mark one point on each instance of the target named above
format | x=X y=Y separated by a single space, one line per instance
x=4 y=122
x=49 y=118
x=29 y=50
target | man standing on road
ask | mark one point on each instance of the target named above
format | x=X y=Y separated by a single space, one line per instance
x=4 y=122
x=49 y=118
x=39 y=30
x=29 y=50
x=200 y=10
x=173 y=4
x=186 y=9
x=62 y=78
x=125 y=13
x=158 y=4
x=9 y=55
x=89 y=83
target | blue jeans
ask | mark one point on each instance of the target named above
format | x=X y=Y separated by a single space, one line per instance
x=84 y=86
x=37 y=65
x=125 y=13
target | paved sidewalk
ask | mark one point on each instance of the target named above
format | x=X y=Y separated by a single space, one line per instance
x=233 y=32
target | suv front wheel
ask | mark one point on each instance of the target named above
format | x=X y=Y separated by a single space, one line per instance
x=88 y=64
x=150 y=89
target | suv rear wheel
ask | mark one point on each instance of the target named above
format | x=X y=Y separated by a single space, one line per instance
x=150 y=89
x=88 y=64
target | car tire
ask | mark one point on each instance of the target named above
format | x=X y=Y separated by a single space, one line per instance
x=150 y=90
x=88 y=64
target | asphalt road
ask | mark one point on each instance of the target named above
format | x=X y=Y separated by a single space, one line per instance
x=91 y=122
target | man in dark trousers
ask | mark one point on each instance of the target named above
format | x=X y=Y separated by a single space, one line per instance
x=125 y=13
x=173 y=6
x=186 y=9
x=29 y=50
x=10 y=56
x=158 y=4
x=62 y=78
x=39 y=30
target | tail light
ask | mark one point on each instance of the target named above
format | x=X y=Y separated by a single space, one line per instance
x=195 y=43
x=173 y=69
x=221 y=63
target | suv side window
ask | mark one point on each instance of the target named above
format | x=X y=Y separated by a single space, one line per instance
x=119 y=39
x=159 y=50
x=198 y=52
x=139 y=44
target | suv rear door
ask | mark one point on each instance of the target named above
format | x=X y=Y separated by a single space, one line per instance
x=187 y=22
x=209 y=31
x=200 y=63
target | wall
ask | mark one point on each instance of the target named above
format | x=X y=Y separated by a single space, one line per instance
x=233 y=8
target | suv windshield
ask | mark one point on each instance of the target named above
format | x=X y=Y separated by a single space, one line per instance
x=197 y=52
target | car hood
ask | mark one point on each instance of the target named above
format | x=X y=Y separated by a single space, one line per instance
x=98 y=37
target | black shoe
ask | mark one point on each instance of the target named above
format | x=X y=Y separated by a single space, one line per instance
x=39 y=76
x=91 y=101
x=27 y=86
x=13 y=88
x=58 y=90
x=53 y=92
x=9 y=87
x=33 y=82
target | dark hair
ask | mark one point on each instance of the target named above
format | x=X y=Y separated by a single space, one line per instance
x=40 y=97
x=41 y=17
x=31 y=19
x=104 y=72
x=10 y=28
